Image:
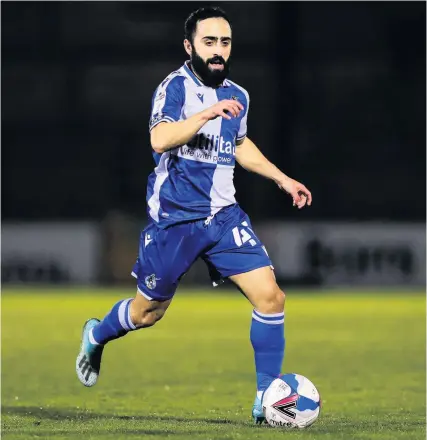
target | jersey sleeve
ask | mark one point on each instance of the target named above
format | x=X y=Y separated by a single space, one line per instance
x=167 y=103
x=243 y=128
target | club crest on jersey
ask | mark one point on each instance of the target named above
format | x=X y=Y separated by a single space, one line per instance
x=150 y=281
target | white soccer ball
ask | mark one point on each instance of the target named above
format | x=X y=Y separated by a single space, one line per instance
x=291 y=401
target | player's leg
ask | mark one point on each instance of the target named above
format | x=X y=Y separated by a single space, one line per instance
x=125 y=316
x=128 y=315
x=164 y=255
x=240 y=256
x=267 y=327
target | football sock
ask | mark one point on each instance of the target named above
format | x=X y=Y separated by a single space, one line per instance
x=115 y=325
x=268 y=342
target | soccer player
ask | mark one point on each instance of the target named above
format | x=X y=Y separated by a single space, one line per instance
x=198 y=131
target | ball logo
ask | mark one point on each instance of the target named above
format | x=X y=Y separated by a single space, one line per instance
x=283 y=385
x=286 y=405
x=281 y=423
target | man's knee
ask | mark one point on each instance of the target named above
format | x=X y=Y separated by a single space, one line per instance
x=144 y=318
x=143 y=315
x=272 y=300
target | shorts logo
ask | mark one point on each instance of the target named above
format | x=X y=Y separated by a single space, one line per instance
x=147 y=240
x=150 y=281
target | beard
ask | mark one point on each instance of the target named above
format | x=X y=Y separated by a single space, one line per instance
x=210 y=77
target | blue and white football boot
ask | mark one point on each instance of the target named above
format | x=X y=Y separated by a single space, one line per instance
x=88 y=362
x=257 y=413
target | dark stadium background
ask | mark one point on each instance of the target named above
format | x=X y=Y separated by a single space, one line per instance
x=337 y=102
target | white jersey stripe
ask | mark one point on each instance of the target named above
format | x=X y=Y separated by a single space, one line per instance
x=161 y=174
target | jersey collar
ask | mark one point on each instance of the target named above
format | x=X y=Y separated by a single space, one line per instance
x=191 y=75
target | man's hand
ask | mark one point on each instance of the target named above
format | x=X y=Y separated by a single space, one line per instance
x=300 y=194
x=220 y=108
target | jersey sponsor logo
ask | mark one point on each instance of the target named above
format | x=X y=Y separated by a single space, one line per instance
x=210 y=148
x=215 y=143
x=206 y=156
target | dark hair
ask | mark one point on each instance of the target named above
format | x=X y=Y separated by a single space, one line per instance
x=199 y=15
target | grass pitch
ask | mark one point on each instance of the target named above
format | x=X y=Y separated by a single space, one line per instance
x=192 y=375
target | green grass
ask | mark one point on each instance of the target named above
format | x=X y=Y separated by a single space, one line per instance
x=192 y=375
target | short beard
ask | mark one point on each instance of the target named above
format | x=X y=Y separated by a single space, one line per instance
x=211 y=78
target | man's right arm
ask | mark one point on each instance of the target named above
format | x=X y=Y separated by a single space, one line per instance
x=168 y=135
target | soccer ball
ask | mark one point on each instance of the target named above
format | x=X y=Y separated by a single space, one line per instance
x=291 y=401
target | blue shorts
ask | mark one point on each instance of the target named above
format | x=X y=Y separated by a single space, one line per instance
x=226 y=243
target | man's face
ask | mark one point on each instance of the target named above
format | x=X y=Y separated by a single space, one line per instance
x=210 y=51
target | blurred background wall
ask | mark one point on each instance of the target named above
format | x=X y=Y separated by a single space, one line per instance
x=337 y=102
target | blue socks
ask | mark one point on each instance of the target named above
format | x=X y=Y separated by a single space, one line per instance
x=268 y=342
x=115 y=325
x=267 y=338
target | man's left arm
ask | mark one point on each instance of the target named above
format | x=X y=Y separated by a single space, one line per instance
x=251 y=159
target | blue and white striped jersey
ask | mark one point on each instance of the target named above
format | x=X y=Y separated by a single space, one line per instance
x=195 y=180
